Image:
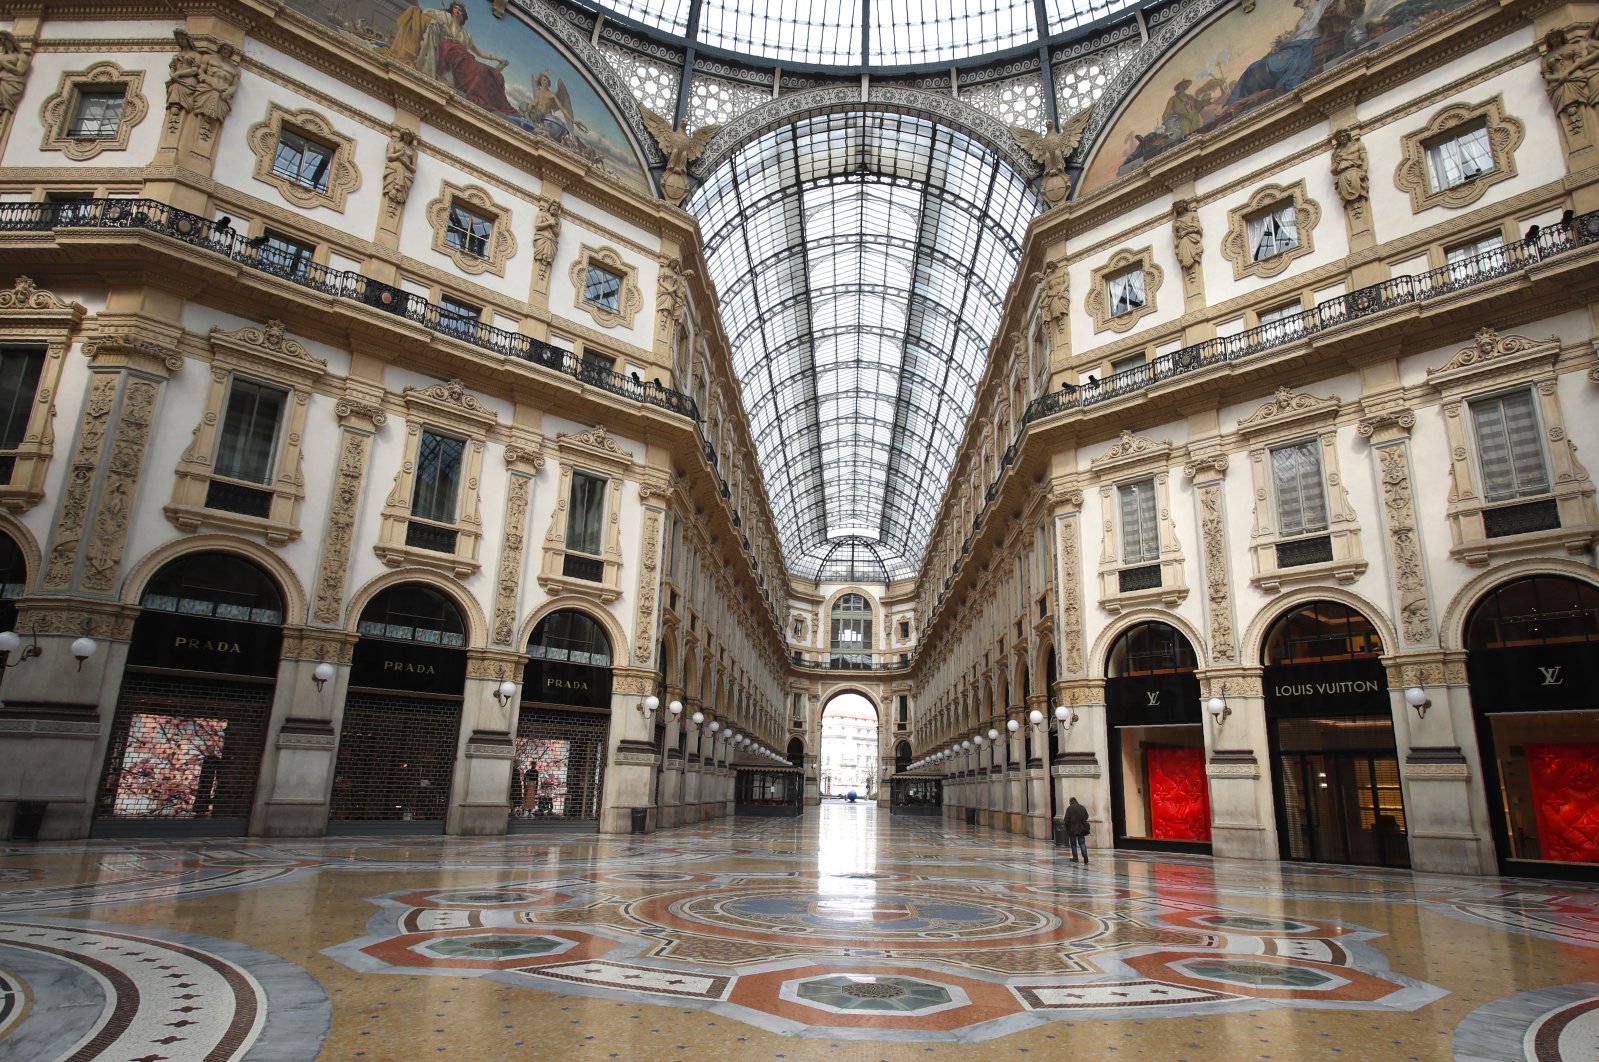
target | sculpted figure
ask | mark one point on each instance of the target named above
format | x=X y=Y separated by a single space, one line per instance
x=1050 y=149
x=14 y=64
x=1349 y=163
x=671 y=296
x=546 y=235
x=1186 y=234
x=1568 y=66
x=183 y=75
x=399 y=166
x=680 y=148
x=204 y=77
x=1054 y=302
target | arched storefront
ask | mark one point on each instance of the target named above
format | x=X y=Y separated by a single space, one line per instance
x=402 y=718
x=13 y=583
x=564 y=723
x=1534 y=672
x=1160 y=796
x=1335 y=765
x=196 y=698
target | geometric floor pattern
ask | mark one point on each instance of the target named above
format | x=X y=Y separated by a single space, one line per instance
x=845 y=934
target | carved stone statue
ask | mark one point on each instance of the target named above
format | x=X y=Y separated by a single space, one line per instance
x=1568 y=66
x=1054 y=302
x=183 y=76
x=671 y=293
x=680 y=148
x=546 y=236
x=14 y=64
x=399 y=167
x=1186 y=234
x=204 y=75
x=1050 y=149
x=1349 y=167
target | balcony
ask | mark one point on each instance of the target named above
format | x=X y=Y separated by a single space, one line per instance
x=851 y=662
x=151 y=216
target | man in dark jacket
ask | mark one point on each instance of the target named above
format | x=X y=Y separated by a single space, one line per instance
x=1077 y=829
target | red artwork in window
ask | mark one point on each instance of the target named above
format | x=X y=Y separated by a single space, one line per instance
x=1565 y=797
x=1179 y=797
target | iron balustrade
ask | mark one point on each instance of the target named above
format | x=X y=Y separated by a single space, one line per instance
x=848 y=663
x=152 y=216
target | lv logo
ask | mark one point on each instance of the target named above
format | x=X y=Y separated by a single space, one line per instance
x=1154 y=698
x=1551 y=677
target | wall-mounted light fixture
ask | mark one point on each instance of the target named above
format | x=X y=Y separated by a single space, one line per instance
x=319 y=675
x=10 y=642
x=1035 y=717
x=1065 y=716
x=1012 y=725
x=505 y=692
x=993 y=735
x=1218 y=707
x=652 y=704
x=1417 y=698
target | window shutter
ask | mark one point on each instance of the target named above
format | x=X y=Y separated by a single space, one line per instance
x=1140 y=533
x=1508 y=447
x=1301 y=496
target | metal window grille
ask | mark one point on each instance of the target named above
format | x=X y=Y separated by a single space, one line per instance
x=1521 y=519
x=396 y=756
x=1316 y=550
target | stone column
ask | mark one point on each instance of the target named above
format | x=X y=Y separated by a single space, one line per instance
x=689 y=810
x=297 y=764
x=1079 y=768
x=486 y=753
x=1015 y=777
x=1038 y=819
x=630 y=777
x=1243 y=819
x=671 y=788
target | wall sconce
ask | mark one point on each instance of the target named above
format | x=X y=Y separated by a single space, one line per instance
x=651 y=704
x=320 y=675
x=966 y=745
x=1218 y=707
x=715 y=726
x=1415 y=696
x=1035 y=717
x=993 y=735
x=1065 y=716
x=977 y=739
x=505 y=692
x=1012 y=725
x=10 y=642
x=697 y=718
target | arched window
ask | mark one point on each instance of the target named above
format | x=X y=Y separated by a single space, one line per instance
x=796 y=752
x=13 y=581
x=851 y=630
x=1319 y=632
x=902 y=757
x=572 y=637
x=414 y=613
x=221 y=585
x=1150 y=649
x=1539 y=610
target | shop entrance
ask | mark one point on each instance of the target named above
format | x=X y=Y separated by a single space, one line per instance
x=563 y=726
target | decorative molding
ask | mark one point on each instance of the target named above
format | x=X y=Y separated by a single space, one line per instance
x=343 y=177
x=456 y=413
x=1218 y=581
x=1488 y=345
x=55 y=116
x=501 y=242
x=1235 y=245
x=648 y=581
x=513 y=545
x=1505 y=135
x=32 y=316
x=339 y=537
x=1098 y=301
x=114 y=509
x=1232 y=769
x=629 y=299
x=1288 y=411
x=1404 y=537
x=1130 y=448
x=24 y=294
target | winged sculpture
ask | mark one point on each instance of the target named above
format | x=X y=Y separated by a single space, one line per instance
x=680 y=148
x=1050 y=149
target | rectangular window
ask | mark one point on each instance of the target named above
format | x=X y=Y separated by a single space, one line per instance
x=458 y=317
x=1301 y=494
x=1128 y=364
x=438 y=477
x=1140 y=526
x=1508 y=447
x=596 y=366
x=285 y=255
x=585 y=513
x=249 y=435
x=1484 y=257
x=1125 y=291
x=1283 y=322
x=603 y=288
x=302 y=161
x=1459 y=157
x=468 y=231
x=1271 y=232
x=19 y=382
x=97 y=115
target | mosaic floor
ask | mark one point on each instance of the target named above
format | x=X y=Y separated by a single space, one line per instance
x=847 y=934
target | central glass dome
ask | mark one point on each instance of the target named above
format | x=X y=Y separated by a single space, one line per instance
x=865 y=33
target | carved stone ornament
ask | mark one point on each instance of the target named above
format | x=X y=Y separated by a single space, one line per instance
x=1351 y=171
x=14 y=65
x=338 y=542
x=1218 y=583
x=1187 y=237
x=513 y=545
x=629 y=298
x=1287 y=406
x=1505 y=135
x=1272 y=197
x=1054 y=301
x=680 y=149
x=342 y=176
x=1399 y=513
x=1051 y=149
x=399 y=168
x=57 y=113
x=26 y=295
x=644 y=629
x=1570 y=56
x=204 y=77
x=1098 y=302
x=271 y=339
x=354 y=408
x=595 y=438
x=1071 y=592
x=453 y=393
x=1382 y=423
x=671 y=292
x=546 y=237
x=497 y=249
x=1201 y=463
x=1487 y=346
x=1130 y=446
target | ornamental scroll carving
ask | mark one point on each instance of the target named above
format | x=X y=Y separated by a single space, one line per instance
x=596 y=438
x=1487 y=345
x=353 y=447
x=1285 y=405
x=512 y=548
x=74 y=514
x=1400 y=512
x=26 y=295
x=1071 y=595
x=104 y=553
x=1218 y=584
x=1130 y=445
x=454 y=393
x=644 y=629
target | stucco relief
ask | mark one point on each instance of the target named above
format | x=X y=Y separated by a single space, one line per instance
x=512 y=546
x=353 y=446
x=1399 y=510
x=104 y=553
x=1218 y=584
x=644 y=629
x=94 y=425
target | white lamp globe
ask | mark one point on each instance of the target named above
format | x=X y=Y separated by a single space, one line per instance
x=966 y=744
x=322 y=672
x=1012 y=725
x=508 y=690
x=651 y=702
x=1035 y=717
x=83 y=648
x=676 y=707
x=715 y=726
x=697 y=718
x=993 y=735
x=1415 y=696
x=1215 y=706
x=1062 y=712
x=9 y=642
x=978 y=740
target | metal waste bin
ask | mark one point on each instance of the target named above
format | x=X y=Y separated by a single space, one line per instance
x=1060 y=833
x=971 y=816
x=641 y=820
x=29 y=817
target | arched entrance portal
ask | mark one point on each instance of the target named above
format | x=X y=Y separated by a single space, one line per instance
x=402 y=718
x=563 y=724
x=849 y=747
x=191 y=720
x=1534 y=672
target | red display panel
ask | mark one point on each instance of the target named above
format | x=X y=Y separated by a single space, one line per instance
x=1565 y=797
x=1179 y=796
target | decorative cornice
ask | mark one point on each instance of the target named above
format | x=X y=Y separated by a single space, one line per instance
x=1489 y=345
x=1287 y=407
x=24 y=294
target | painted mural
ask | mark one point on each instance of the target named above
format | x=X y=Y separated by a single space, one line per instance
x=501 y=64
x=1243 y=60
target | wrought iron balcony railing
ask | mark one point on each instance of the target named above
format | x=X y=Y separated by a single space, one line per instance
x=207 y=235
x=850 y=662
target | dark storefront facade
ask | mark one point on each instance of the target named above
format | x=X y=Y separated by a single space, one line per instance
x=563 y=726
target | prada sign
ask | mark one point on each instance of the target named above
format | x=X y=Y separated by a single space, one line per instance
x=556 y=682
x=1331 y=688
x=205 y=643
x=1535 y=678
x=1153 y=700
x=408 y=667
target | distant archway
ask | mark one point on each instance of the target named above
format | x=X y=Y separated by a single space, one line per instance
x=849 y=747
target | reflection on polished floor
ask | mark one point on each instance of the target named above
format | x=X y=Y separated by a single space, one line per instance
x=846 y=934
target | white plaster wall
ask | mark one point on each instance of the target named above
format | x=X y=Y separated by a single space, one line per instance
x=564 y=295
x=44 y=80
x=1329 y=238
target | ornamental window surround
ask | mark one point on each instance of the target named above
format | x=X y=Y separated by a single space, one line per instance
x=36 y=328
x=471 y=229
x=93 y=110
x=1123 y=290
x=1515 y=482
x=1461 y=152
x=304 y=157
x=433 y=515
x=1140 y=561
x=606 y=287
x=1304 y=528
x=1276 y=225
x=583 y=544
x=243 y=471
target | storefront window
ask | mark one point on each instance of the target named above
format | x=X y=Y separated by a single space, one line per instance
x=1159 y=789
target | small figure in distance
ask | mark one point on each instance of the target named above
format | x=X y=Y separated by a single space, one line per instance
x=1077 y=829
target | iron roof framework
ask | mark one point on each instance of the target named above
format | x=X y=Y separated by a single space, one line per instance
x=861 y=260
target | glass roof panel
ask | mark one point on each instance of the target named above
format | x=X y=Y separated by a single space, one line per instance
x=668 y=15
x=824 y=34
x=861 y=261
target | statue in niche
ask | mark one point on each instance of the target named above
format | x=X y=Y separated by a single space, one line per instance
x=14 y=65
x=399 y=166
x=1349 y=166
x=1050 y=149
x=546 y=236
x=680 y=148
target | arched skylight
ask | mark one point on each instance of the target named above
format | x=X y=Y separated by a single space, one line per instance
x=861 y=261
x=889 y=33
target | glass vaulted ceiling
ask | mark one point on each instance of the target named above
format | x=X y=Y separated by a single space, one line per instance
x=861 y=260
x=896 y=32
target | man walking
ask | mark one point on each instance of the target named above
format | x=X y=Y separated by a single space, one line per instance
x=1077 y=829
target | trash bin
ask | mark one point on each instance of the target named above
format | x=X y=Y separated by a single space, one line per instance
x=28 y=819
x=971 y=816
x=1060 y=833
x=641 y=820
